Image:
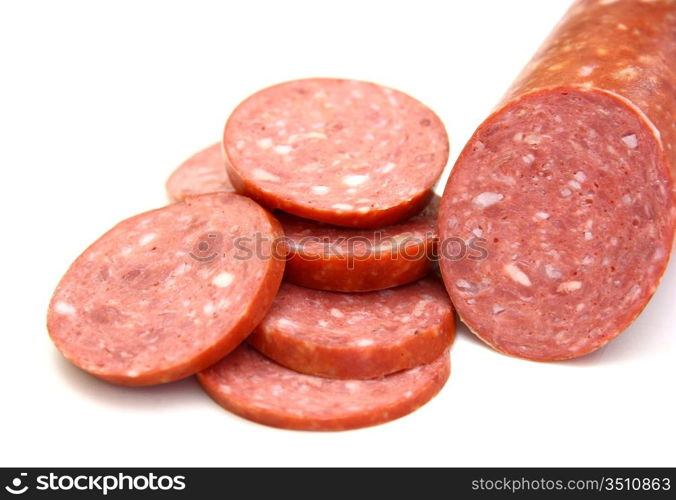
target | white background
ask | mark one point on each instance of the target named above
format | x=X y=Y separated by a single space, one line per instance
x=98 y=103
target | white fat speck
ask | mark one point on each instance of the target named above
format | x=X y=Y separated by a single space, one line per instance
x=565 y=192
x=185 y=303
x=622 y=27
x=634 y=292
x=579 y=307
x=223 y=303
x=588 y=259
x=585 y=70
x=532 y=139
x=588 y=235
x=574 y=184
x=320 y=189
x=486 y=199
x=626 y=199
x=286 y=323
x=477 y=232
x=517 y=137
x=364 y=342
x=180 y=269
x=630 y=140
x=276 y=390
x=132 y=373
x=223 y=279
x=628 y=73
x=282 y=149
x=312 y=135
x=364 y=210
x=264 y=175
x=605 y=261
x=64 y=308
x=552 y=272
x=517 y=274
x=541 y=215
x=352 y=386
x=147 y=238
x=240 y=144
x=355 y=179
x=280 y=123
x=528 y=159
x=614 y=241
x=336 y=313
x=659 y=253
x=466 y=286
x=580 y=176
x=497 y=309
x=507 y=179
x=208 y=308
x=389 y=166
x=569 y=286
x=323 y=323
x=264 y=143
x=343 y=206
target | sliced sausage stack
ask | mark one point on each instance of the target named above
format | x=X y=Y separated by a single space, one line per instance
x=348 y=166
x=357 y=334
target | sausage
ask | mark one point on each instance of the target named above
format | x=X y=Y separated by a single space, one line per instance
x=343 y=152
x=334 y=258
x=570 y=185
x=356 y=336
x=164 y=294
x=254 y=387
x=202 y=173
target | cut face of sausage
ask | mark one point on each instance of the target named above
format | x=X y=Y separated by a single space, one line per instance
x=341 y=259
x=569 y=190
x=254 y=387
x=343 y=152
x=356 y=336
x=165 y=294
x=202 y=173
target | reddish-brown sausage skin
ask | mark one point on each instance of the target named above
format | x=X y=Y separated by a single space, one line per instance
x=340 y=259
x=570 y=184
x=254 y=387
x=356 y=335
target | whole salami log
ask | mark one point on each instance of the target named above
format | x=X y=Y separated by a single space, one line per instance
x=569 y=182
x=341 y=259
x=343 y=152
x=202 y=173
x=356 y=335
x=166 y=293
x=254 y=387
